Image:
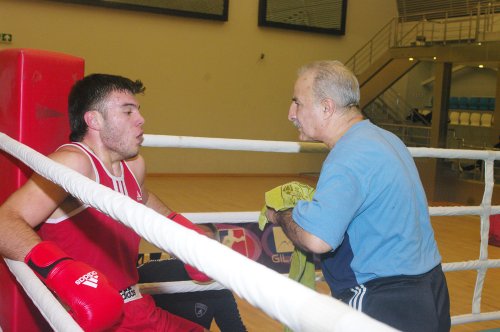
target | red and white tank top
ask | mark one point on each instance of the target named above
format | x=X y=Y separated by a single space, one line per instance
x=88 y=235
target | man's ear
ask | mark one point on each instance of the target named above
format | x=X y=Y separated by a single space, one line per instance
x=328 y=106
x=92 y=118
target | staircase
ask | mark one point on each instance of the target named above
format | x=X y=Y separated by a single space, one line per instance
x=481 y=24
x=390 y=71
x=386 y=57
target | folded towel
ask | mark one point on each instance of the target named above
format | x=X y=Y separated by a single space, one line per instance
x=282 y=198
x=285 y=197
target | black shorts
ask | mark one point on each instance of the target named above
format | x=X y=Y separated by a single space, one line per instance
x=408 y=303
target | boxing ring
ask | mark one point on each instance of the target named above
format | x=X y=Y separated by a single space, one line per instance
x=264 y=288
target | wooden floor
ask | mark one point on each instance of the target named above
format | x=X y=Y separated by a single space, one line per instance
x=457 y=237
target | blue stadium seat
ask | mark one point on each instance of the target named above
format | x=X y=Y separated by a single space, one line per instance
x=453 y=103
x=474 y=103
x=484 y=103
x=463 y=103
x=491 y=103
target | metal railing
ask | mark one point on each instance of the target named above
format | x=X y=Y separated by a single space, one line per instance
x=392 y=112
x=468 y=169
x=481 y=23
x=398 y=104
x=477 y=24
x=380 y=111
x=374 y=48
x=412 y=135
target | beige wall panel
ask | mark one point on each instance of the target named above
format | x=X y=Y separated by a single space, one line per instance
x=203 y=78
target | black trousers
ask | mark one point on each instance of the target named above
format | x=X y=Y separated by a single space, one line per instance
x=199 y=307
x=417 y=303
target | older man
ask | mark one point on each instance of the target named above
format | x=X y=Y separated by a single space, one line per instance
x=369 y=217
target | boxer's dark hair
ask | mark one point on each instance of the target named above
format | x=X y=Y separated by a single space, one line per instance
x=88 y=93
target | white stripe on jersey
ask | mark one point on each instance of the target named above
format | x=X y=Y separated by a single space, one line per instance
x=119 y=186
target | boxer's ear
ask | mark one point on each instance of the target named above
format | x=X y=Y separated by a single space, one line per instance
x=93 y=119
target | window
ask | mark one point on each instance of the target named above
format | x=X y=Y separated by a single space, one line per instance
x=323 y=16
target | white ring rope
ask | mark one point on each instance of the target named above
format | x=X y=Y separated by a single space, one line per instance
x=222 y=217
x=165 y=141
x=177 y=287
x=290 y=147
x=484 y=210
x=285 y=300
x=49 y=307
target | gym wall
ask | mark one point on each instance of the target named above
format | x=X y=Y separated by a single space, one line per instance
x=203 y=78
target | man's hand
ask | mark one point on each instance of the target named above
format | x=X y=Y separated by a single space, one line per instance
x=295 y=233
x=271 y=216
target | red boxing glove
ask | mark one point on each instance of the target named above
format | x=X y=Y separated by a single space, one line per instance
x=191 y=271
x=94 y=303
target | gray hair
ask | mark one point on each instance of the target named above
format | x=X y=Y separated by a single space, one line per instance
x=333 y=80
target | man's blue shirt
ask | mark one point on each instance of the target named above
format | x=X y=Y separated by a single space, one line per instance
x=371 y=208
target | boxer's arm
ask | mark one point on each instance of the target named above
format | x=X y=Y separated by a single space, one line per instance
x=138 y=167
x=193 y=273
x=16 y=236
x=31 y=205
x=156 y=204
x=152 y=201
x=94 y=307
